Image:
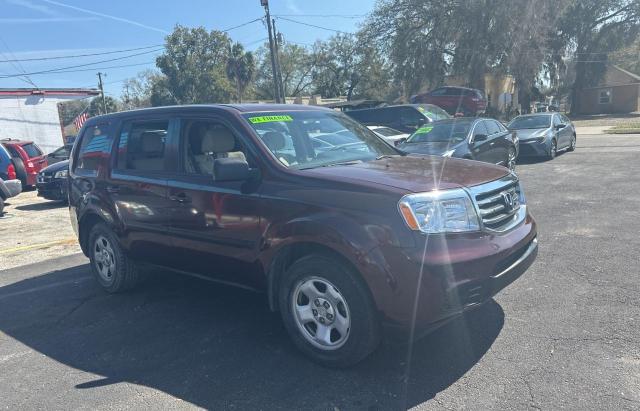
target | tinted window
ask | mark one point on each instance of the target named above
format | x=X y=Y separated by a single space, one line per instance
x=452 y=91
x=12 y=150
x=492 y=127
x=438 y=92
x=410 y=117
x=480 y=129
x=95 y=145
x=141 y=146
x=450 y=130
x=62 y=152
x=365 y=116
x=32 y=150
x=537 y=121
x=204 y=141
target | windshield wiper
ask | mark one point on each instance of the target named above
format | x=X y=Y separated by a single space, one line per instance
x=342 y=163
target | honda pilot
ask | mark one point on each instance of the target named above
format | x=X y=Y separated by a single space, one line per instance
x=349 y=243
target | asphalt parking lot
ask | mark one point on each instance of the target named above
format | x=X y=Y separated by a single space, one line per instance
x=565 y=335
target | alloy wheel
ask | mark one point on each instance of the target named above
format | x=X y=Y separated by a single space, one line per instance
x=511 y=160
x=321 y=313
x=104 y=258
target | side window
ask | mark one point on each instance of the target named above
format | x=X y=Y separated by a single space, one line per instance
x=14 y=153
x=492 y=127
x=556 y=120
x=204 y=141
x=438 y=92
x=141 y=145
x=32 y=150
x=410 y=117
x=95 y=145
x=480 y=129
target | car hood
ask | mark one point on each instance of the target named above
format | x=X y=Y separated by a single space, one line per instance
x=527 y=133
x=60 y=165
x=414 y=173
x=436 y=148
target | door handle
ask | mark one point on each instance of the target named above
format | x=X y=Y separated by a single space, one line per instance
x=180 y=198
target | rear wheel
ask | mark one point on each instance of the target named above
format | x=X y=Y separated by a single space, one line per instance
x=328 y=312
x=572 y=145
x=114 y=271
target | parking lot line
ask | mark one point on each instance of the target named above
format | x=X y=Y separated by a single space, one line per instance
x=70 y=240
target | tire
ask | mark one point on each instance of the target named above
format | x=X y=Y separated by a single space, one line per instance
x=572 y=145
x=336 y=300
x=511 y=159
x=553 y=150
x=21 y=171
x=113 y=270
x=1 y=206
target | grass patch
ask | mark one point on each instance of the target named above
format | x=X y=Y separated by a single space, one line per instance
x=626 y=127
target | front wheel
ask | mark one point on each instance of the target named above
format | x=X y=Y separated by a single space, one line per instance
x=511 y=159
x=1 y=206
x=572 y=146
x=328 y=311
x=553 y=150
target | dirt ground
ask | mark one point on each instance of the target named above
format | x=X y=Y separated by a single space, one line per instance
x=34 y=229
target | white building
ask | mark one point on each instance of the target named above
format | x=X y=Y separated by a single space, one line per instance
x=32 y=114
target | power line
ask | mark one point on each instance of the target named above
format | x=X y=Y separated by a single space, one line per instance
x=82 y=55
x=18 y=66
x=313 y=25
x=343 y=16
x=102 y=68
x=241 y=25
x=82 y=65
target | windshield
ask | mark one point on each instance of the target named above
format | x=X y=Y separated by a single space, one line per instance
x=433 y=112
x=453 y=131
x=543 y=121
x=310 y=139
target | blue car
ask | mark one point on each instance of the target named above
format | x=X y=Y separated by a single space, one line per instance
x=543 y=134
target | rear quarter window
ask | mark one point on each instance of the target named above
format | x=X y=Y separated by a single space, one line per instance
x=94 y=147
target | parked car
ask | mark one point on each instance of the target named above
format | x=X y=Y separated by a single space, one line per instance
x=59 y=154
x=481 y=139
x=28 y=159
x=7 y=167
x=392 y=135
x=336 y=239
x=52 y=181
x=406 y=117
x=468 y=101
x=542 y=135
x=541 y=108
x=8 y=189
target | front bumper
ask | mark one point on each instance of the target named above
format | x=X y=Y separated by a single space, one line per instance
x=533 y=148
x=52 y=190
x=447 y=275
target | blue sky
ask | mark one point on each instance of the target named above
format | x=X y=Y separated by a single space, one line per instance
x=33 y=29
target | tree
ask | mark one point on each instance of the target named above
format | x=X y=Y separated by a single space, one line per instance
x=137 y=91
x=296 y=66
x=240 y=68
x=592 y=29
x=194 y=68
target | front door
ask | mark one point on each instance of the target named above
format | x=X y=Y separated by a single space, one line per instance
x=215 y=225
x=480 y=143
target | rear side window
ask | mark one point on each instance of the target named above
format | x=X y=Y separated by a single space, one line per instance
x=452 y=91
x=32 y=150
x=12 y=150
x=142 y=146
x=363 y=116
x=438 y=92
x=95 y=145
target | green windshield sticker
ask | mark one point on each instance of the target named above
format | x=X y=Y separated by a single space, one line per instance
x=269 y=119
x=424 y=130
x=420 y=109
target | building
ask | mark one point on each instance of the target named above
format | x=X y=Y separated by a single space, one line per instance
x=32 y=114
x=617 y=92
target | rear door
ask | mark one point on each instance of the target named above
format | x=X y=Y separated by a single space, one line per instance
x=215 y=225
x=564 y=133
x=36 y=156
x=137 y=188
x=498 y=144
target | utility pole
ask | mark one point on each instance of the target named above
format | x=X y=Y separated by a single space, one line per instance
x=104 y=103
x=277 y=37
x=274 y=69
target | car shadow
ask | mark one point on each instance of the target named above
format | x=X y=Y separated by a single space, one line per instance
x=219 y=347
x=49 y=205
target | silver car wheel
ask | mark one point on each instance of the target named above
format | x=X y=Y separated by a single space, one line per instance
x=511 y=160
x=104 y=258
x=321 y=313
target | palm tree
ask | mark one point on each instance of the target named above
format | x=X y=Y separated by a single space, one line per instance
x=240 y=68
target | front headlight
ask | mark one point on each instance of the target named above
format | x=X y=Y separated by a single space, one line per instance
x=61 y=174
x=449 y=211
x=448 y=153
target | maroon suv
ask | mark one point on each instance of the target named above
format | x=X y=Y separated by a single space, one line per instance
x=345 y=241
x=468 y=101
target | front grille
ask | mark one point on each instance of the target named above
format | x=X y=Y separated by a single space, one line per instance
x=498 y=203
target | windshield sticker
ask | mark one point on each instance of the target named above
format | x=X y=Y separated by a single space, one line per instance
x=424 y=130
x=270 y=119
x=420 y=109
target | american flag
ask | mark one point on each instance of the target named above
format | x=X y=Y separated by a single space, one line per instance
x=80 y=119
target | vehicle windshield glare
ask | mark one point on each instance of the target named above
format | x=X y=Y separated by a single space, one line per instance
x=433 y=112
x=522 y=122
x=310 y=139
x=453 y=131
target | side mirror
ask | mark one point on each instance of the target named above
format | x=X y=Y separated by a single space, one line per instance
x=231 y=169
x=480 y=137
x=560 y=126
